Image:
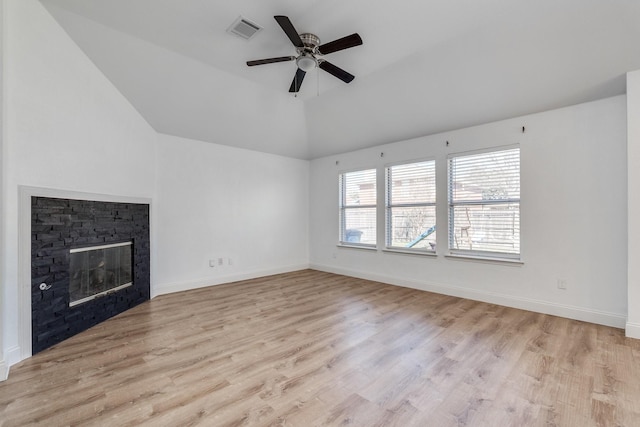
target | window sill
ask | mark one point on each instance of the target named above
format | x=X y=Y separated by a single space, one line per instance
x=363 y=247
x=409 y=252
x=485 y=259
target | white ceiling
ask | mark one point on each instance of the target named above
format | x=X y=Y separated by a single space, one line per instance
x=426 y=66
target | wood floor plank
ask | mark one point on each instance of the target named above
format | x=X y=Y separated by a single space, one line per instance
x=317 y=349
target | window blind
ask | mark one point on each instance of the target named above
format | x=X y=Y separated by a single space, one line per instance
x=358 y=207
x=484 y=202
x=411 y=210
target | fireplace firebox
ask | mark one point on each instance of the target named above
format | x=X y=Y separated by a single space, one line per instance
x=98 y=270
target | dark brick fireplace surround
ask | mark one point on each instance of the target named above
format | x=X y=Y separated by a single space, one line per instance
x=58 y=225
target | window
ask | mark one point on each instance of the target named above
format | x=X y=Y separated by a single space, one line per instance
x=411 y=206
x=358 y=208
x=484 y=203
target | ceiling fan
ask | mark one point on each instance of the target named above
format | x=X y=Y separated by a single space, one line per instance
x=310 y=53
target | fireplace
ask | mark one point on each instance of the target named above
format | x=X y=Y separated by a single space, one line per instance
x=90 y=260
x=98 y=270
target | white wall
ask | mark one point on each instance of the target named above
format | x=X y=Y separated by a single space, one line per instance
x=573 y=215
x=215 y=201
x=633 y=195
x=66 y=127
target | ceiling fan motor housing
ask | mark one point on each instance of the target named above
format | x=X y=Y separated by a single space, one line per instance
x=310 y=41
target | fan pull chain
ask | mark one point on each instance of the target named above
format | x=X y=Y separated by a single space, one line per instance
x=318 y=80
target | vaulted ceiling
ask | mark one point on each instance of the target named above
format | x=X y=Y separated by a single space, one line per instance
x=426 y=66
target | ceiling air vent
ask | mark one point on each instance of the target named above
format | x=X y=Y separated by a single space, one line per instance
x=244 y=28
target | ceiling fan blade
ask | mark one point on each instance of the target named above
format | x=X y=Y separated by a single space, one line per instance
x=336 y=71
x=270 y=60
x=289 y=30
x=340 y=44
x=297 y=81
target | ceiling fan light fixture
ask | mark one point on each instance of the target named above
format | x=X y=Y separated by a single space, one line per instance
x=306 y=62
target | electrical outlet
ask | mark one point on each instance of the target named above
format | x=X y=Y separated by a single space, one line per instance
x=220 y=261
x=212 y=263
x=562 y=284
x=230 y=261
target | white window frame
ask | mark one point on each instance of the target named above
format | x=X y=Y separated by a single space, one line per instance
x=389 y=205
x=483 y=254
x=344 y=207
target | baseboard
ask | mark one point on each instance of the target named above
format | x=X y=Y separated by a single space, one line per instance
x=632 y=330
x=169 y=288
x=12 y=356
x=4 y=370
x=571 y=312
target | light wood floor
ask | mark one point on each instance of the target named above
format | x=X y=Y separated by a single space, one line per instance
x=317 y=349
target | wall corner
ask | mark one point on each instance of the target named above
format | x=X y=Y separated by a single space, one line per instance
x=633 y=204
